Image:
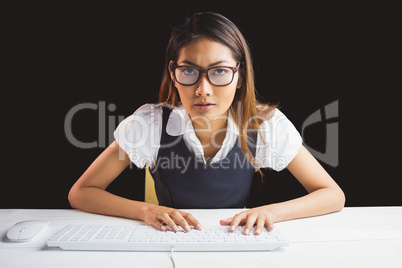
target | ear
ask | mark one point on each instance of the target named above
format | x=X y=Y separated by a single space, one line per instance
x=239 y=82
x=170 y=70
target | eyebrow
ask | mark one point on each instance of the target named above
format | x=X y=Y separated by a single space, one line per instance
x=212 y=64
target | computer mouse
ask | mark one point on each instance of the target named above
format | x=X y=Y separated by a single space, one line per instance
x=26 y=230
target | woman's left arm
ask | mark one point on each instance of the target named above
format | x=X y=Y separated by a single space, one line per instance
x=324 y=196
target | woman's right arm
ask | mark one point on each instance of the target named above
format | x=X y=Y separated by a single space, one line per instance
x=89 y=194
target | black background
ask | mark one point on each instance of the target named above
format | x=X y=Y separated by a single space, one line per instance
x=305 y=57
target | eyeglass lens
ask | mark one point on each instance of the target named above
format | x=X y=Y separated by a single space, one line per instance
x=218 y=76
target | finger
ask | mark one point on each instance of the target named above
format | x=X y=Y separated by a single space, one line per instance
x=260 y=225
x=169 y=222
x=226 y=222
x=269 y=223
x=249 y=224
x=178 y=217
x=237 y=220
x=193 y=221
x=158 y=225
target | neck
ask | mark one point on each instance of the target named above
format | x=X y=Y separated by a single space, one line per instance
x=207 y=130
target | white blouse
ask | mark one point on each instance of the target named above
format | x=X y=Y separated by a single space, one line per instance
x=139 y=136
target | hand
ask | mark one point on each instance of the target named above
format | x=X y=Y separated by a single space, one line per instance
x=259 y=216
x=159 y=216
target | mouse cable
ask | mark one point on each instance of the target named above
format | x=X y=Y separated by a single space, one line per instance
x=171 y=256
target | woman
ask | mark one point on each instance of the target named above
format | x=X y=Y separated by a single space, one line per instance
x=205 y=139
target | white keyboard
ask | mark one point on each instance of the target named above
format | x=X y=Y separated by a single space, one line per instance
x=146 y=238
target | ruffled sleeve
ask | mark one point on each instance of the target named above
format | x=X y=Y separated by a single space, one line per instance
x=139 y=134
x=279 y=144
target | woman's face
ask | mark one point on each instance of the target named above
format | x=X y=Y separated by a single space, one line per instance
x=203 y=100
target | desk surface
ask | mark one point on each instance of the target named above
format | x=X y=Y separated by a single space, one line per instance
x=354 y=237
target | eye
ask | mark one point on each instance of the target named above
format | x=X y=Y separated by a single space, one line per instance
x=188 y=71
x=220 y=71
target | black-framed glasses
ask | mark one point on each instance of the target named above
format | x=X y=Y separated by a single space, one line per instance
x=219 y=75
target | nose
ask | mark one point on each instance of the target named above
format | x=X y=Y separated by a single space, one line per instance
x=204 y=87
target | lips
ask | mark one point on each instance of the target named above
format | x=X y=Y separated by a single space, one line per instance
x=204 y=105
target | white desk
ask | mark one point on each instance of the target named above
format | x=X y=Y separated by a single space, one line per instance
x=354 y=237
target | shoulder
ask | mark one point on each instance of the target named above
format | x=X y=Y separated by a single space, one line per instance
x=278 y=132
x=139 y=134
x=149 y=111
x=273 y=119
x=147 y=114
x=278 y=142
x=265 y=112
x=151 y=115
